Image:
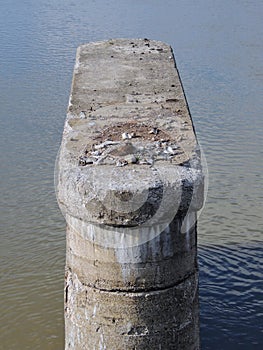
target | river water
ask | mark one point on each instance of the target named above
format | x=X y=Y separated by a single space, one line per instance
x=218 y=49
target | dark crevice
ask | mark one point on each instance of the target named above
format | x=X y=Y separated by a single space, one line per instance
x=145 y=290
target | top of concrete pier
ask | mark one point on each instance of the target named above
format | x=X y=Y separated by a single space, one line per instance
x=128 y=134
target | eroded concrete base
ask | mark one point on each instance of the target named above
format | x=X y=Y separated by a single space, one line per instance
x=164 y=319
x=138 y=297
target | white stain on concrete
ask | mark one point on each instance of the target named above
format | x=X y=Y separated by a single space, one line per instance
x=102 y=345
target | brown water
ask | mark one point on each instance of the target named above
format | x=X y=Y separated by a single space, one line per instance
x=218 y=48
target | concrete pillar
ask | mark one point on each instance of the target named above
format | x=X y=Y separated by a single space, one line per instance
x=130 y=184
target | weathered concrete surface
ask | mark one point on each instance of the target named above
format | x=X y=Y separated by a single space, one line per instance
x=129 y=184
x=160 y=262
x=164 y=319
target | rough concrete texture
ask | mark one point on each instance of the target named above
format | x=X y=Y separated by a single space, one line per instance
x=130 y=184
x=160 y=262
x=117 y=84
x=165 y=319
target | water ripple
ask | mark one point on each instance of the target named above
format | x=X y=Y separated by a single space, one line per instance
x=231 y=285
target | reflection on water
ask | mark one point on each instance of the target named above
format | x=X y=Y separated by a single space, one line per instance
x=218 y=47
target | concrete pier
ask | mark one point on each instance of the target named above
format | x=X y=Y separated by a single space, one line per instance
x=130 y=184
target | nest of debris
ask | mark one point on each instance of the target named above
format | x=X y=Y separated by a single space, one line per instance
x=130 y=143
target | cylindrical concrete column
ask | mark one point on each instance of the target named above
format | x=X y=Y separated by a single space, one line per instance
x=130 y=184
